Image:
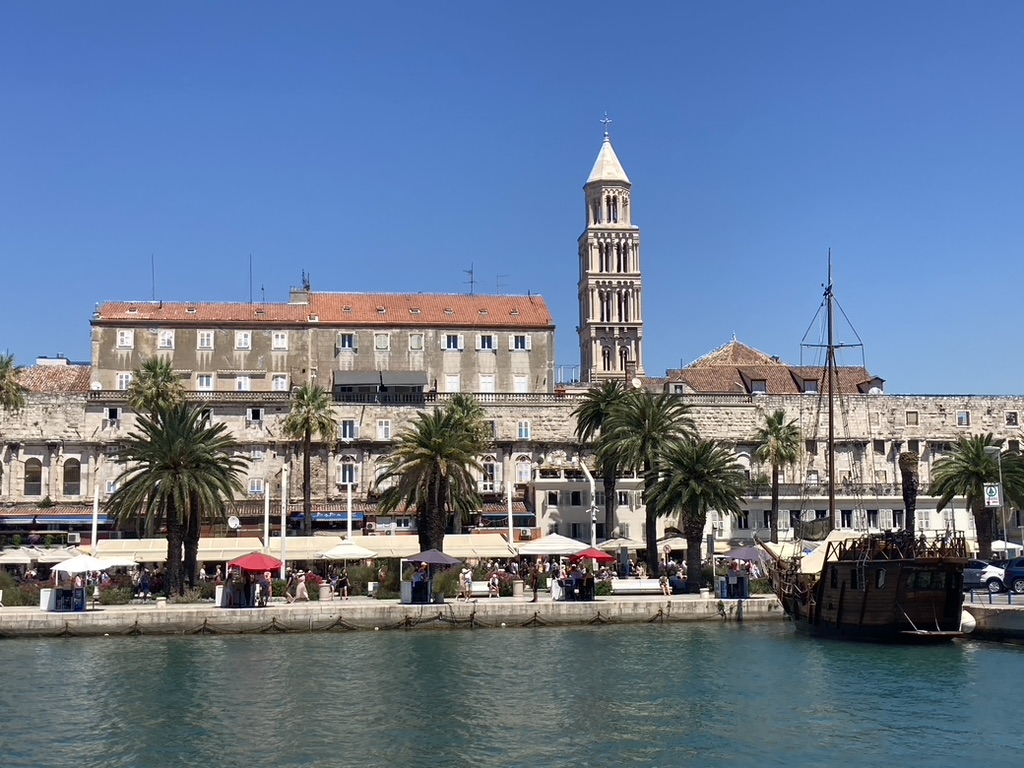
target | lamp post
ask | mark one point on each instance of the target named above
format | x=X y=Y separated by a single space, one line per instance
x=593 y=493
x=994 y=450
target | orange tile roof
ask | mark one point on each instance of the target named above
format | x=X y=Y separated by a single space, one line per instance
x=56 y=379
x=731 y=369
x=345 y=309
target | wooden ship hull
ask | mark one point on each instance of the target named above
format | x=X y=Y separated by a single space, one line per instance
x=878 y=588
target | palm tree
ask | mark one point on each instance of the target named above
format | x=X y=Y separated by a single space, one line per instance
x=179 y=470
x=696 y=476
x=966 y=470
x=468 y=409
x=432 y=467
x=591 y=415
x=312 y=414
x=638 y=434
x=778 y=444
x=909 y=484
x=155 y=385
x=12 y=392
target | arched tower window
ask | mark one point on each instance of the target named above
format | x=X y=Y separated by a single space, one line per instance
x=72 y=477
x=606 y=359
x=33 y=477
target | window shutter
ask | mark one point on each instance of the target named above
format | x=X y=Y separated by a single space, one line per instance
x=355 y=474
x=355 y=430
x=462 y=341
x=498 y=473
x=479 y=342
x=529 y=345
x=511 y=341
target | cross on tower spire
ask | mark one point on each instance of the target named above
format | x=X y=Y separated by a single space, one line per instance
x=606 y=121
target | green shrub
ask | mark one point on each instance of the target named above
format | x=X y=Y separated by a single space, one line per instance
x=189 y=596
x=114 y=595
x=603 y=589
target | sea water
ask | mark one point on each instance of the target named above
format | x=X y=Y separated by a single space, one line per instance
x=639 y=695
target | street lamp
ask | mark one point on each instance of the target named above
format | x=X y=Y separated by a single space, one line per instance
x=593 y=494
x=994 y=450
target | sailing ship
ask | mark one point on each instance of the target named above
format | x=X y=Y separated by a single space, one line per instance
x=879 y=587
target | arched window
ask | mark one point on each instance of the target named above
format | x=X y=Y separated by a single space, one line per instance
x=524 y=469
x=72 y=477
x=33 y=477
x=606 y=359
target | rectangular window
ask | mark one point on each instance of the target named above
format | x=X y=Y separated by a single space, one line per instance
x=911 y=418
x=416 y=342
x=254 y=415
x=520 y=383
x=349 y=429
x=812 y=478
x=204 y=340
x=347 y=474
x=487 y=382
x=873 y=518
x=382 y=342
x=383 y=429
x=1013 y=446
x=485 y=341
x=520 y=341
x=490 y=428
x=255 y=486
x=524 y=472
x=623 y=498
x=165 y=339
x=280 y=340
x=743 y=520
x=243 y=339
x=963 y=418
x=126 y=339
x=810 y=386
x=452 y=382
x=113 y=419
x=914 y=445
x=879 y=446
x=576 y=499
x=812 y=447
x=897 y=518
x=524 y=429
x=758 y=386
x=454 y=341
x=1012 y=419
x=204 y=382
x=552 y=498
x=124 y=380
x=243 y=384
x=111 y=486
x=258 y=453
x=279 y=382
x=488 y=474
x=347 y=341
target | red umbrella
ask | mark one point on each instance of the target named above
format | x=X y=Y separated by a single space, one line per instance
x=594 y=554
x=256 y=561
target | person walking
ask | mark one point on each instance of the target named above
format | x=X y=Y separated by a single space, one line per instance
x=301 y=593
x=466 y=583
x=534 y=581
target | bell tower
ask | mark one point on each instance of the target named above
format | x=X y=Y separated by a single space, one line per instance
x=611 y=325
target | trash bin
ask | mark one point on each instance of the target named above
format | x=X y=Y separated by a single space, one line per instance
x=517 y=588
x=218 y=595
x=46 y=599
x=79 y=601
x=326 y=591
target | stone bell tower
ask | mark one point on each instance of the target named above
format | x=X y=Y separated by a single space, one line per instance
x=611 y=325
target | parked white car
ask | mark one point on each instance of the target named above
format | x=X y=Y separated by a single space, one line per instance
x=981 y=575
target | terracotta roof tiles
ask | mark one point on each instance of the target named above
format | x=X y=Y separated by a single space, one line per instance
x=56 y=379
x=345 y=309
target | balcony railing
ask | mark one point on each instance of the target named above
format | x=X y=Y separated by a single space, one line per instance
x=790 y=490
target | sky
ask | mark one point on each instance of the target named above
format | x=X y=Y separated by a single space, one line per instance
x=392 y=146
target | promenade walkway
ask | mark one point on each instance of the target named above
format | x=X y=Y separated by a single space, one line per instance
x=364 y=613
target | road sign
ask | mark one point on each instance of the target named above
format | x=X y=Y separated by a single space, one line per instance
x=992 y=495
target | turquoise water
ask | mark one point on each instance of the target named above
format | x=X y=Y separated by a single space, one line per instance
x=639 y=695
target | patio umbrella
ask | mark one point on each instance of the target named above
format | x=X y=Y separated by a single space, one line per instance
x=348 y=551
x=256 y=561
x=84 y=564
x=552 y=544
x=433 y=557
x=594 y=554
x=614 y=545
x=746 y=553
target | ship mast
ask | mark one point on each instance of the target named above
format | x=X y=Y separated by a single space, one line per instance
x=830 y=368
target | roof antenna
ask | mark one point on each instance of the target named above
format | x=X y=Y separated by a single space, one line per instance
x=472 y=279
x=305 y=281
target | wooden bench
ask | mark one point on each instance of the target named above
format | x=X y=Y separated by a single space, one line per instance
x=481 y=589
x=635 y=587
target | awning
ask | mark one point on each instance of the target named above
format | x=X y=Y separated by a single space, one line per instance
x=139 y=550
x=477 y=545
x=301 y=547
x=380 y=378
x=223 y=549
x=390 y=546
x=53 y=520
x=331 y=517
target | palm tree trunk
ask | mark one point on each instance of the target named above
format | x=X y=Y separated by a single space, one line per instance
x=193 y=530
x=694 y=533
x=307 y=491
x=610 y=504
x=435 y=516
x=650 y=520
x=983 y=517
x=773 y=514
x=172 y=575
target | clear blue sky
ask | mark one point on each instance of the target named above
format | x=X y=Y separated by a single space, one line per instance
x=389 y=146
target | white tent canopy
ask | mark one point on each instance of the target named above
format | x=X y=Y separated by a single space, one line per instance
x=88 y=563
x=299 y=547
x=19 y=556
x=552 y=544
x=614 y=545
x=1005 y=546
x=348 y=551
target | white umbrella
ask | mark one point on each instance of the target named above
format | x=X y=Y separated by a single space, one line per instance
x=19 y=556
x=614 y=545
x=553 y=544
x=348 y=551
x=87 y=563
